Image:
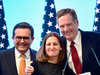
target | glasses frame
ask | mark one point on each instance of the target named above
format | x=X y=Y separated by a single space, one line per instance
x=19 y=38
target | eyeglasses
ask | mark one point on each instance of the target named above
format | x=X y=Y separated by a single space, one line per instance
x=19 y=38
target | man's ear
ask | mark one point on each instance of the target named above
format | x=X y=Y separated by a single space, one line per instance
x=32 y=38
x=13 y=37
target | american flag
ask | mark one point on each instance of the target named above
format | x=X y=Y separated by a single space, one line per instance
x=96 y=26
x=49 y=19
x=4 y=44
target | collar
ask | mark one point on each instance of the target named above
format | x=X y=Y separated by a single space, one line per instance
x=78 y=37
x=27 y=54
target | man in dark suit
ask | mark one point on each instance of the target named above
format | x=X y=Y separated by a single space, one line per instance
x=22 y=39
x=86 y=44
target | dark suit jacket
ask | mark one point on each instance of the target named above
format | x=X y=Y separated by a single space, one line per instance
x=89 y=61
x=8 y=63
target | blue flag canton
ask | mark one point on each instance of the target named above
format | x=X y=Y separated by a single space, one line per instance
x=49 y=20
x=96 y=26
x=3 y=30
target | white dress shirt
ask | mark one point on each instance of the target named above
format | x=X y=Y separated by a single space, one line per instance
x=78 y=46
x=17 y=58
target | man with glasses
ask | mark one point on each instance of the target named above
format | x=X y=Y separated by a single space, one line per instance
x=11 y=61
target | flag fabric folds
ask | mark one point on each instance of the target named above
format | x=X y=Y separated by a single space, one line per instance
x=49 y=19
x=96 y=26
x=4 y=44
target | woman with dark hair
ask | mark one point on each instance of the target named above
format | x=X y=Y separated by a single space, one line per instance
x=49 y=57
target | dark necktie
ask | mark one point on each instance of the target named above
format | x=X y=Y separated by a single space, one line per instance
x=22 y=65
x=75 y=58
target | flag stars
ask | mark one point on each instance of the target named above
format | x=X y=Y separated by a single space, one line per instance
x=4 y=43
x=49 y=24
x=4 y=27
x=42 y=30
x=3 y=36
x=45 y=3
x=97 y=10
x=1 y=45
x=4 y=19
x=95 y=28
x=43 y=21
x=8 y=47
x=52 y=5
x=0 y=6
x=48 y=32
x=98 y=2
x=56 y=26
x=44 y=12
x=51 y=15
x=41 y=39
x=96 y=19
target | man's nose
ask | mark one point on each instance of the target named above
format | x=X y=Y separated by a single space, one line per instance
x=22 y=40
x=65 y=28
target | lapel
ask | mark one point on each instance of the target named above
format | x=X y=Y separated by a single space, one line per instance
x=10 y=56
x=85 y=47
x=70 y=72
x=33 y=53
